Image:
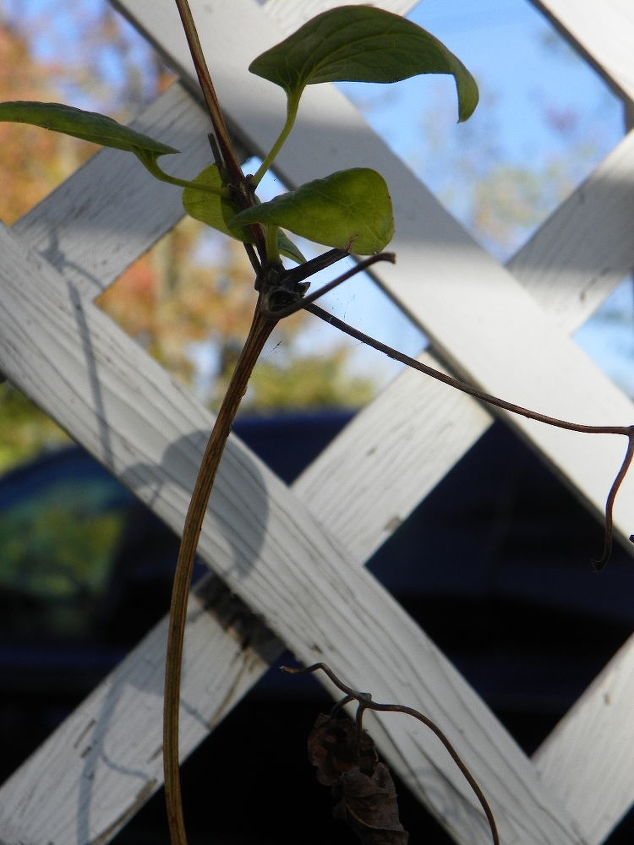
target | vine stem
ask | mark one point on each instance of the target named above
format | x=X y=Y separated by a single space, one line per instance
x=209 y=93
x=291 y=116
x=463 y=386
x=261 y=327
x=233 y=176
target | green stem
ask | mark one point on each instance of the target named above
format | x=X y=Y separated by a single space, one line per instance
x=261 y=328
x=149 y=162
x=272 y=243
x=291 y=115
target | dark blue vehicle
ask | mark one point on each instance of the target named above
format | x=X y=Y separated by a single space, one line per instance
x=495 y=566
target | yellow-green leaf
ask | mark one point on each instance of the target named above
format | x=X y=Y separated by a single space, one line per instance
x=219 y=213
x=350 y=209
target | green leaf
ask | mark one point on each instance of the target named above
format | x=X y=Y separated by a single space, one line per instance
x=362 y=44
x=88 y=125
x=212 y=209
x=219 y=213
x=349 y=209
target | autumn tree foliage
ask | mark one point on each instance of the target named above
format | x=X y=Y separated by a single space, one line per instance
x=33 y=162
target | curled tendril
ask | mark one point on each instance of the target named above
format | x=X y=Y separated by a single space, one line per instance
x=609 y=504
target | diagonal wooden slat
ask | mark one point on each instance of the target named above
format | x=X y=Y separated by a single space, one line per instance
x=110 y=211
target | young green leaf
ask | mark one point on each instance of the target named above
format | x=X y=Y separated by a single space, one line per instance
x=219 y=212
x=349 y=209
x=88 y=125
x=361 y=44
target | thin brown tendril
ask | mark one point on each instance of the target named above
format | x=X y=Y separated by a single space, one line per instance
x=624 y=430
x=609 y=504
x=365 y=702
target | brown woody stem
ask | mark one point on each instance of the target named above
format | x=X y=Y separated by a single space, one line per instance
x=609 y=504
x=241 y=189
x=209 y=93
x=261 y=328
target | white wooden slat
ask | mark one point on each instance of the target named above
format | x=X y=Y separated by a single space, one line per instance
x=469 y=305
x=604 y=38
x=388 y=458
x=585 y=248
x=594 y=746
x=267 y=548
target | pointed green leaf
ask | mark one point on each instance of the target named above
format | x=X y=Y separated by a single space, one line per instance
x=362 y=44
x=218 y=212
x=349 y=209
x=88 y=125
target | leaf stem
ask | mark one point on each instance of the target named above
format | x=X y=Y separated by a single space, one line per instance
x=150 y=163
x=260 y=330
x=292 y=104
x=272 y=242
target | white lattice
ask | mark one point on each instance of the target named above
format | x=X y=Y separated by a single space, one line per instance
x=295 y=555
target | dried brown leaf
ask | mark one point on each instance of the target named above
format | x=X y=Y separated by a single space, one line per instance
x=361 y=785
